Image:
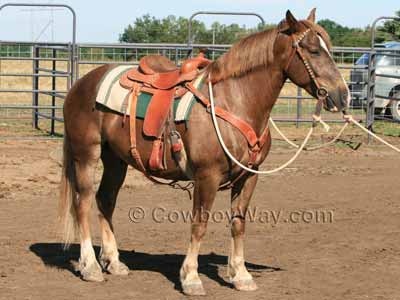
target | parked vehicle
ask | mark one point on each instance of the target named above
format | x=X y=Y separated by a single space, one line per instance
x=388 y=64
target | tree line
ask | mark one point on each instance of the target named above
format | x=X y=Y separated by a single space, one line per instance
x=148 y=29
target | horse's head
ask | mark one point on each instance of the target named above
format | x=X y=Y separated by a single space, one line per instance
x=309 y=64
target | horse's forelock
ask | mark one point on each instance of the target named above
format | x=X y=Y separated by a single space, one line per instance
x=319 y=30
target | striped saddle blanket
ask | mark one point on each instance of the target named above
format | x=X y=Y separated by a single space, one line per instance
x=113 y=96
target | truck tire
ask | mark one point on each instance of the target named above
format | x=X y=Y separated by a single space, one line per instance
x=377 y=110
x=395 y=107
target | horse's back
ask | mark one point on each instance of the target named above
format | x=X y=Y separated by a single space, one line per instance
x=83 y=92
x=82 y=120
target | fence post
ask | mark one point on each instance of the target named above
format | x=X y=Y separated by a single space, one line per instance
x=35 y=86
x=69 y=69
x=371 y=91
x=76 y=58
x=299 y=106
x=53 y=87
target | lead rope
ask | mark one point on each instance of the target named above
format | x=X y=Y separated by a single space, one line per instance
x=316 y=118
x=349 y=119
x=286 y=139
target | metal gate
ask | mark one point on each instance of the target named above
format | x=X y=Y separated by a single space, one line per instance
x=383 y=88
x=50 y=63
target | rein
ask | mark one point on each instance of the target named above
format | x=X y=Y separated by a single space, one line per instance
x=248 y=168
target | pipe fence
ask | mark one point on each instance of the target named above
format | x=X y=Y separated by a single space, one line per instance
x=34 y=78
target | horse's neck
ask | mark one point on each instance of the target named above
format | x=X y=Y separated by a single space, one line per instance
x=252 y=96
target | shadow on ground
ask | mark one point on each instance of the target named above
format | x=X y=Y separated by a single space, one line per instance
x=53 y=254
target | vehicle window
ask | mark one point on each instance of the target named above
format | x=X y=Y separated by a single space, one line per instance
x=387 y=61
x=363 y=60
x=382 y=60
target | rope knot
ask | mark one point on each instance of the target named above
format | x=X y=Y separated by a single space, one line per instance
x=318 y=119
x=348 y=118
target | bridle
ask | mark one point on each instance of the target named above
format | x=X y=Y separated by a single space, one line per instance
x=322 y=92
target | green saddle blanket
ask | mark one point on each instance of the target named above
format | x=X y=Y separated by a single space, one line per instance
x=112 y=95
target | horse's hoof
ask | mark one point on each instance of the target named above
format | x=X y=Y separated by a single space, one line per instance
x=247 y=285
x=117 y=268
x=92 y=273
x=193 y=289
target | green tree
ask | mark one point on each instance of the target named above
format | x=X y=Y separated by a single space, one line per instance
x=345 y=36
x=391 y=28
x=148 y=29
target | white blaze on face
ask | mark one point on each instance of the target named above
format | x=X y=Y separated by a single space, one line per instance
x=325 y=47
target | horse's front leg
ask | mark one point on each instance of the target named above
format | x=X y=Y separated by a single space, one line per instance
x=240 y=197
x=206 y=186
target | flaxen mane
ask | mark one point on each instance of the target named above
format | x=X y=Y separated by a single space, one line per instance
x=254 y=51
x=249 y=53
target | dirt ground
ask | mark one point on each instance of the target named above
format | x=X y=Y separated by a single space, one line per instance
x=354 y=255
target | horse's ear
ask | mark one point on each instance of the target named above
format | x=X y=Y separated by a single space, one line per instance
x=311 y=16
x=291 y=21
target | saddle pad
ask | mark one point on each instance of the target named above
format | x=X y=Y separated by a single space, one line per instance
x=113 y=96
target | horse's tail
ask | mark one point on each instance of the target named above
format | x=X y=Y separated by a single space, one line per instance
x=68 y=196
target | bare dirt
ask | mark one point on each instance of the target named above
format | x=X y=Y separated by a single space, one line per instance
x=354 y=256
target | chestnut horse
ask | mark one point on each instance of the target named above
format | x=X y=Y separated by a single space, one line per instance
x=247 y=82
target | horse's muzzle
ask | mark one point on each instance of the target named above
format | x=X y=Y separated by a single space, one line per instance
x=329 y=105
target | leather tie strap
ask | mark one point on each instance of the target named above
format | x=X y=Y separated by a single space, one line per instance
x=135 y=91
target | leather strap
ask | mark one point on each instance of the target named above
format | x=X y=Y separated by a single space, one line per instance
x=296 y=39
x=255 y=143
x=245 y=129
x=135 y=90
x=322 y=92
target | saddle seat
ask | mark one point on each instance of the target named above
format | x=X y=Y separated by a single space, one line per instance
x=159 y=76
x=160 y=73
x=152 y=64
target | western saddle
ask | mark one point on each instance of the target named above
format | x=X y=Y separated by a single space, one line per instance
x=159 y=76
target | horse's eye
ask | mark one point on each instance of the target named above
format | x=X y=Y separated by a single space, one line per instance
x=315 y=52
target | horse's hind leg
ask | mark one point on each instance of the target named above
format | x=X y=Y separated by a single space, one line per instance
x=238 y=274
x=84 y=176
x=112 y=180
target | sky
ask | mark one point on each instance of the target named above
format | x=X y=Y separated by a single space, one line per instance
x=103 y=21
